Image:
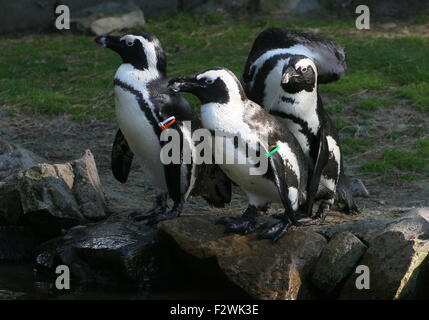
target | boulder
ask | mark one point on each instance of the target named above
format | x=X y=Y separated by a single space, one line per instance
x=337 y=261
x=114 y=252
x=107 y=17
x=397 y=260
x=54 y=195
x=260 y=268
x=14 y=159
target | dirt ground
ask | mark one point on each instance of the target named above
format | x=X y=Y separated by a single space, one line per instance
x=59 y=139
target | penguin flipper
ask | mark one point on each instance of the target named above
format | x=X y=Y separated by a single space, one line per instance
x=315 y=176
x=122 y=157
x=172 y=171
x=276 y=165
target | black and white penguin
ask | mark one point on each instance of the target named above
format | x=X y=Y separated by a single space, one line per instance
x=143 y=100
x=225 y=109
x=281 y=74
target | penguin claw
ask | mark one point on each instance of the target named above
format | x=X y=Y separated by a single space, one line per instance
x=240 y=225
x=319 y=217
x=275 y=231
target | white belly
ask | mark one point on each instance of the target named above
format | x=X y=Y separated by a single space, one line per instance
x=140 y=136
x=258 y=189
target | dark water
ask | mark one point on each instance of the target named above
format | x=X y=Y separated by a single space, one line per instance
x=18 y=281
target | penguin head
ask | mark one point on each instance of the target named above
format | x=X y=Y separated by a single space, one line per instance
x=299 y=74
x=142 y=50
x=214 y=85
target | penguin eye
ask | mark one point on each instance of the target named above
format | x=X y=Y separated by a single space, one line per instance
x=130 y=44
x=304 y=69
x=209 y=81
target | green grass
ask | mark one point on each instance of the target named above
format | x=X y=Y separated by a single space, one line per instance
x=63 y=73
x=374 y=103
x=355 y=145
x=402 y=164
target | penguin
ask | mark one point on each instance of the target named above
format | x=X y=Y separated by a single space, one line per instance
x=282 y=72
x=225 y=109
x=143 y=101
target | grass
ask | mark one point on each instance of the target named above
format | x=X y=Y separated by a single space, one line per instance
x=70 y=74
x=400 y=163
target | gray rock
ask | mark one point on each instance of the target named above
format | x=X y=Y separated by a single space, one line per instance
x=202 y=6
x=18 y=242
x=13 y=160
x=337 y=261
x=107 y=17
x=286 y=6
x=110 y=252
x=358 y=189
x=365 y=229
x=263 y=270
x=396 y=259
x=57 y=195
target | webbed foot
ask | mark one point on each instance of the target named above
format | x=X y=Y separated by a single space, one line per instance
x=242 y=225
x=277 y=230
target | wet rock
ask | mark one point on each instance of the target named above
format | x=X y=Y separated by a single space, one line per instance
x=358 y=189
x=107 y=17
x=337 y=261
x=397 y=261
x=110 y=252
x=263 y=270
x=18 y=243
x=54 y=195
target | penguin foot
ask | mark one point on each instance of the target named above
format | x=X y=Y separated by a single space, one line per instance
x=319 y=217
x=240 y=225
x=148 y=214
x=277 y=230
x=173 y=213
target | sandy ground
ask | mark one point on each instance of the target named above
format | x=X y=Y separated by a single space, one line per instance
x=59 y=139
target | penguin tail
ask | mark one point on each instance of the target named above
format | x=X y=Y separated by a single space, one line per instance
x=344 y=195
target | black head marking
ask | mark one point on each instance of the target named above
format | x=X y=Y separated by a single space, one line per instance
x=142 y=50
x=298 y=75
x=210 y=85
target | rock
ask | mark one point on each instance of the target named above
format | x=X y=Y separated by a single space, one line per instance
x=286 y=6
x=388 y=25
x=107 y=17
x=263 y=270
x=13 y=160
x=397 y=261
x=17 y=243
x=5 y=147
x=358 y=189
x=203 y=6
x=337 y=261
x=54 y=195
x=109 y=252
x=365 y=229
x=11 y=295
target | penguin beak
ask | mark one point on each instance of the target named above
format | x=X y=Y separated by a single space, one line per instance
x=111 y=42
x=185 y=84
x=288 y=74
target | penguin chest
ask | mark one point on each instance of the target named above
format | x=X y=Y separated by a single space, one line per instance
x=140 y=136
